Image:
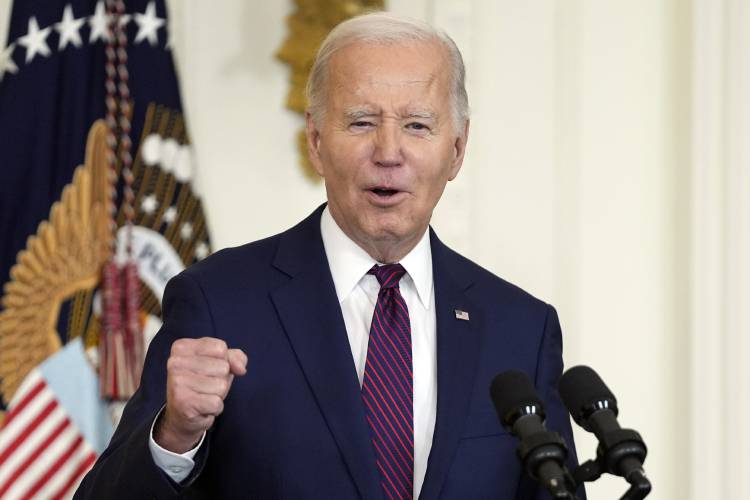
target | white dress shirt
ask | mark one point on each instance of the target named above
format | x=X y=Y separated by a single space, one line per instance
x=357 y=292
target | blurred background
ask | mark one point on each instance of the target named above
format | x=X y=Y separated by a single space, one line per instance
x=607 y=173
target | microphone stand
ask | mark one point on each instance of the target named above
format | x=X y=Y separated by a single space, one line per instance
x=626 y=451
x=640 y=486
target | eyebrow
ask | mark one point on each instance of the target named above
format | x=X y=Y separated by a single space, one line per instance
x=358 y=113
x=425 y=115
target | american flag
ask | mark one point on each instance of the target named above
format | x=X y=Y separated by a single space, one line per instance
x=42 y=452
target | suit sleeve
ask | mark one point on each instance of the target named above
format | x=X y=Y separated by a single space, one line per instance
x=548 y=372
x=126 y=468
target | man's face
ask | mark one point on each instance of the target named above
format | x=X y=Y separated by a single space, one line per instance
x=387 y=144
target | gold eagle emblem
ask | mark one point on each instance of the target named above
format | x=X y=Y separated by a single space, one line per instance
x=64 y=257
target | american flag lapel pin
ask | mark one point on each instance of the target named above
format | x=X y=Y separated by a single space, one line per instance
x=463 y=315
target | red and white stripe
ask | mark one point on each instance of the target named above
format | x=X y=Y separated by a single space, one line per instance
x=42 y=452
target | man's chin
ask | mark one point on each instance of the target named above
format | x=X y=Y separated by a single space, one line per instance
x=392 y=234
x=384 y=227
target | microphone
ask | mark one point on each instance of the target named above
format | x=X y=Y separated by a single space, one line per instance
x=521 y=412
x=593 y=406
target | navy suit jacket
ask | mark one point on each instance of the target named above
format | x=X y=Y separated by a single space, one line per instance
x=294 y=425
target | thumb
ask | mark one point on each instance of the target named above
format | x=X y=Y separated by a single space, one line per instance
x=237 y=361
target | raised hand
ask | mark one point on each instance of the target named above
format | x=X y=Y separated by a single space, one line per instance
x=199 y=375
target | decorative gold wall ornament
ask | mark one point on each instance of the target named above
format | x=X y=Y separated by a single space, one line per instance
x=63 y=258
x=308 y=26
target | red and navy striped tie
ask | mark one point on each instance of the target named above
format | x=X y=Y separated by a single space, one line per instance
x=387 y=386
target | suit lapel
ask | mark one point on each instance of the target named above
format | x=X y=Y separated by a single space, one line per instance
x=311 y=316
x=457 y=358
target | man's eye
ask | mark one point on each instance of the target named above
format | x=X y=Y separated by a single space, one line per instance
x=417 y=126
x=361 y=124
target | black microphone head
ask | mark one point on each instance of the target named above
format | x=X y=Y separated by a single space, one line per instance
x=584 y=392
x=514 y=395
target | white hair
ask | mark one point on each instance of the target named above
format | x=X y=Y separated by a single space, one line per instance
x=387 y=29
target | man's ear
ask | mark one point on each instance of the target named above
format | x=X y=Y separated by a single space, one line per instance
x=459 y=149
x=313 y=143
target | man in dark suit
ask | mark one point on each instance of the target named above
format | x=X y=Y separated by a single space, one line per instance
x=371 y=344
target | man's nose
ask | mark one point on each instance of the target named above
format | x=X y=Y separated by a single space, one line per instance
x=387 y=151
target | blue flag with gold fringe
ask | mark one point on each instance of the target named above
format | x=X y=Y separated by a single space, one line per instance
x=55 y=227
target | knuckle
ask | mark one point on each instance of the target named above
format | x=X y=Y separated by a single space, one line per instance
x=191 y=414
x=218 y=405
x=223 y=386
x=216 y=347
x=173 y=363
x=208 y=422
x=224 y=368
x=181 y=384
x=178 y=347
x=220 y=347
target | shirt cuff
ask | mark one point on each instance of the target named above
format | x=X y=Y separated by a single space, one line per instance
x=175 y=465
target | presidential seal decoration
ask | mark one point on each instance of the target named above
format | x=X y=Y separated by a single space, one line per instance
x=97 y=267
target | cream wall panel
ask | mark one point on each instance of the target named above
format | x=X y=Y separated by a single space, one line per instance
x=720 y=223
x=626 y=307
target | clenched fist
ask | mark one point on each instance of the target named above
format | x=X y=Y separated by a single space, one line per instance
x=199 y=375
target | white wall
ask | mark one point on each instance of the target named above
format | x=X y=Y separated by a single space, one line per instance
x=576 y=184
x=720 y=244
x=625 y=250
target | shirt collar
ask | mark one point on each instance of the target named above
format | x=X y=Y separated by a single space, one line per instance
x=349 y=262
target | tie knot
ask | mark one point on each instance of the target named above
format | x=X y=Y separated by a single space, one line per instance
x=388 y=275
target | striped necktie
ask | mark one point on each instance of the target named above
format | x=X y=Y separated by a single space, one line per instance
x=387 y=386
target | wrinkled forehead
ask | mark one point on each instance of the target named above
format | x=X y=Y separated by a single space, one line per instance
x=408 y=70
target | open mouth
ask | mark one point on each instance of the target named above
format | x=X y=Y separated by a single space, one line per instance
x=384 y=192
